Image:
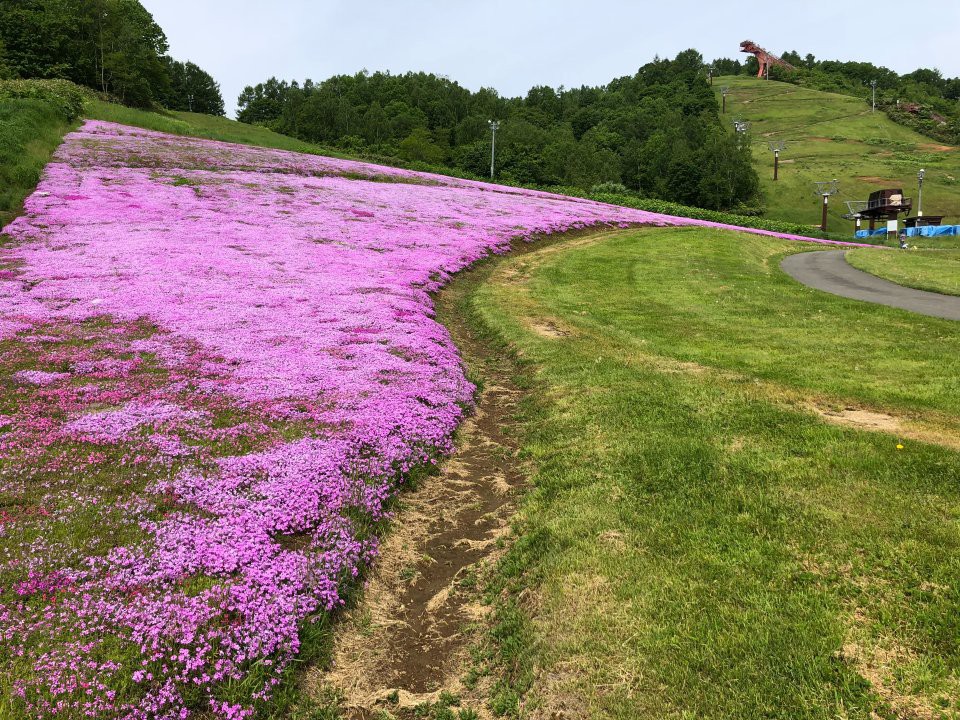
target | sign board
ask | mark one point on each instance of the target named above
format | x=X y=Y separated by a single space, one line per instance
x=892 y=226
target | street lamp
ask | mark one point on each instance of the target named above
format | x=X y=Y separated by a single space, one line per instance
x=776 y=147
x=825 y=190
x=920 y=192
x=723 y=91
x=494 y=126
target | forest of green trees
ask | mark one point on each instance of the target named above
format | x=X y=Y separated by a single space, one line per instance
x=111 y=46
x=657 y=132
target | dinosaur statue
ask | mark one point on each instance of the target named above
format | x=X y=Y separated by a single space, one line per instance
x=766 y=59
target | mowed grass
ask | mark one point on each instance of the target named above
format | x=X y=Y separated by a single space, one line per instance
x=836 y=136
x=30 y=130
x=933 y=270
x=697 y=542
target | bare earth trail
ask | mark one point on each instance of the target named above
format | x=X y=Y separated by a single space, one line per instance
x=409 y=638
x=829 y=271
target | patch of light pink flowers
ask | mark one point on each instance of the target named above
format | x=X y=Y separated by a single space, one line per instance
x=296 y=290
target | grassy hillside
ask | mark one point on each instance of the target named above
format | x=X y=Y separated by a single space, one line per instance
x=836 y=136
x=204 y=126
x=30 y=130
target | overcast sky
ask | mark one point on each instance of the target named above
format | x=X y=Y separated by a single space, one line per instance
x=512 y=45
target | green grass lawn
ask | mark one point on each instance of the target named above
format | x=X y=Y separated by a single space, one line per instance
x=836 y=136
x=30 y=130
x=934 y=270
x=697 y=542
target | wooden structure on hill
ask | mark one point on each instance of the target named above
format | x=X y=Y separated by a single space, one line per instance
x=764 y=58
x=882 y=205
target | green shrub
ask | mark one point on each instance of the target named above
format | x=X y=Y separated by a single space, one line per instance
x=68 y=98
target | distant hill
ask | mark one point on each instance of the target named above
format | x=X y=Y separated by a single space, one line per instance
x=836 y=136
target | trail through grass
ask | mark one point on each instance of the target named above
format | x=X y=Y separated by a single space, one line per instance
x=933 y=270
x=699 y=543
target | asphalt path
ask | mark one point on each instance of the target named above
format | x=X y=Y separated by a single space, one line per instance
x=829 y=271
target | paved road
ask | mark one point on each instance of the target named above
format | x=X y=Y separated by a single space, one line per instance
x=829 y=271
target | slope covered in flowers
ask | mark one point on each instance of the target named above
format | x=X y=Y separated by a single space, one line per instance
x=217 y=363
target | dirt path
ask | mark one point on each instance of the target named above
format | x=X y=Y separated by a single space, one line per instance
x=409 y=638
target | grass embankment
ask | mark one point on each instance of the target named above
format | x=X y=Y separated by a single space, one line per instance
x=699 y=542
x=836 y=136
x=210 y=127
x=30 y=130
x=933 y=270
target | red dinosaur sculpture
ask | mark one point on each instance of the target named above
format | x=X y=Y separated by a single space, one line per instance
x=766 y=59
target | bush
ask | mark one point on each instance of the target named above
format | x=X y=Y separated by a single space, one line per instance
x=610 y=188
x=69 y=99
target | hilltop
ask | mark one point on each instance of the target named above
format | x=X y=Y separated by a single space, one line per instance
x=836 y=136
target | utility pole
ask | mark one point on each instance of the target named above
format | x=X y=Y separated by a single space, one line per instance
x=710 y=74
x=723 y=91
x=920 y=193
x=775 y=147
x=873 y=101
x=825 y=190
x=494 y=126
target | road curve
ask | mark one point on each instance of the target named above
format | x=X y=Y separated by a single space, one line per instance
x=829 y=271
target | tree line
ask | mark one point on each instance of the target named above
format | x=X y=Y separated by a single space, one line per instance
x=657 y=132
x=112 y=46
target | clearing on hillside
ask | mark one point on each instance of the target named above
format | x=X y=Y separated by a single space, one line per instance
x=836 y=136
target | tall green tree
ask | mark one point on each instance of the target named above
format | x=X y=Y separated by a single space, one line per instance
x=192 y=89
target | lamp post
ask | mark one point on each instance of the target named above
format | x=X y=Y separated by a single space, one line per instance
x=825 y=189
x=494 y=126
x=776 y=147
x=723 y=91
x=920 y=192
x=873 y=96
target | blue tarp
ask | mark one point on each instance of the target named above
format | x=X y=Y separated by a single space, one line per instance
x=934 y=230
x=925 y=231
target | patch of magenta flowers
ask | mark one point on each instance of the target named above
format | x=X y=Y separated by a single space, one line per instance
x=225 y=359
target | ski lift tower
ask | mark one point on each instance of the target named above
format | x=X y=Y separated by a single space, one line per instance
x=742 y=127
x=824 y=190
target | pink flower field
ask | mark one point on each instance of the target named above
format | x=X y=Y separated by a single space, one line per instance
x=217 y=365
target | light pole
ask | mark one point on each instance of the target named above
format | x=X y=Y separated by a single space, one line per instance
x=825 y=189
x=494 y=126
x=873 y=101
x=776 y=147
x=723 y=91
x=920 y=192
